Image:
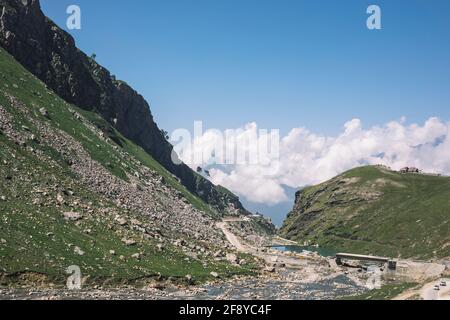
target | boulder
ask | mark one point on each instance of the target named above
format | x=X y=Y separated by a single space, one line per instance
x=78 y=251
x=121 y=221
x=136 y=186
x=135 y=222
x=218 y=254
x=231 y=257
x=136 y=256
x=72 y=216
x=60 y=198
x=129 y=242
x=269 y=269
x=43 y=112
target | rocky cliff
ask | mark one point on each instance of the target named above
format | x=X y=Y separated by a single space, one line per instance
x=71 y=196
x=51 y=55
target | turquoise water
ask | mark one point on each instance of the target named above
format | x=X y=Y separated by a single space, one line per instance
x=324 y=252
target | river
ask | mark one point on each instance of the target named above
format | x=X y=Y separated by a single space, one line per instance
x=324 y=252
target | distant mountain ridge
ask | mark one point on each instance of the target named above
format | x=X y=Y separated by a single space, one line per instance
x=375 y=210
x=50 y=54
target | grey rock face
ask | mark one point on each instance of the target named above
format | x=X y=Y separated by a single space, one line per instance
x=51 y=55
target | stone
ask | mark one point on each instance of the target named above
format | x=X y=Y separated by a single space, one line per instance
x=135 y=222
x=60 y=198
x=136 y=256
x=43 y=112
x=231 y=257
x=3 y=198
x=129 y=242
x=122 y=221
x=72 y=216
x=218 y=254
x=78 y=251
x=269 y=269
x=112 y=252
x=179 y=243
x=214 y=274
x=192 y=255
x=136 y=186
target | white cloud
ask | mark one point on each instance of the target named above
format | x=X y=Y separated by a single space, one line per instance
x=307 y=158
x=247 y=182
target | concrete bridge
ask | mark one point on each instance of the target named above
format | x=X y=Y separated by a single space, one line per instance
x=392 y=264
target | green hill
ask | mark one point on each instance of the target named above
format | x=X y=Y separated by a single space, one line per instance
x=375 y=210
x=72 y=195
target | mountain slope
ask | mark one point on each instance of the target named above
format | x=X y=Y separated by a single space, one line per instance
x=51 y=55
x=70 y=195
x=377 y=211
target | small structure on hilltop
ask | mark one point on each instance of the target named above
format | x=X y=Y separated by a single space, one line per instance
x=410 y=170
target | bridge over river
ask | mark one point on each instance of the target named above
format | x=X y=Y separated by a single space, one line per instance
x=392 y=264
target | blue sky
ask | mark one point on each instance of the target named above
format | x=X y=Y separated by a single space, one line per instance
x=282 y=64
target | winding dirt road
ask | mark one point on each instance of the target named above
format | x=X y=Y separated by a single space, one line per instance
x=270 y=256
x=231 y=237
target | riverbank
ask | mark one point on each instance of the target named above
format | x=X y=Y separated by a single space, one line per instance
x=283 y=275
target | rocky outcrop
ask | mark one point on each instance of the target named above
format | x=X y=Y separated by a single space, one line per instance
x=51 y=55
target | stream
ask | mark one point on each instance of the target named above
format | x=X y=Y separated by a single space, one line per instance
x=290 y=284
x=324 y=252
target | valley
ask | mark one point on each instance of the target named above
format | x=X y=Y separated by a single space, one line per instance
x=282 y=276
x=87 y=183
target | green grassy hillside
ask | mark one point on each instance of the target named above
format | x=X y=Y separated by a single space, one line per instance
x=36 y=238
x=376 y=211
